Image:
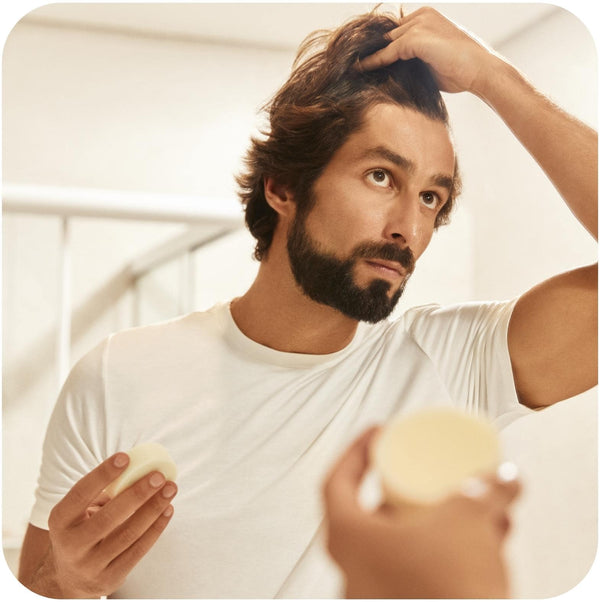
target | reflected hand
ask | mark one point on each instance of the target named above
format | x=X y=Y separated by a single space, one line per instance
x=450 y=550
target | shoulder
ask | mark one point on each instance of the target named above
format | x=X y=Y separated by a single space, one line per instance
x=132 y=348
x=471 y=316
x=455 y=328
x=88 y=371
x=167 y=336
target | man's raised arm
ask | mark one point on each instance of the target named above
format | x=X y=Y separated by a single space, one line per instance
x=553 y=330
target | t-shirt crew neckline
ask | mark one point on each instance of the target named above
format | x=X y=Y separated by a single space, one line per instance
x=262 y=353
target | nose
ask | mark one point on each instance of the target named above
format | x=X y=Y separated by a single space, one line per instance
x=404 y=225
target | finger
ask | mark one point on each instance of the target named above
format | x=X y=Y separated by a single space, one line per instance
x=96 y=504
x=126 y=534
x=101 y=499
x=73 y=506
x=494 y=493
x=121 y=507
x=502 y=494
x=426 y=16
x=380 y=59
x=122 y=564
x=405 y=26
x=425 y=11
x=389 y=510
x=504 y=488
x=498 y=489
x=341 y=486
x=395 y=51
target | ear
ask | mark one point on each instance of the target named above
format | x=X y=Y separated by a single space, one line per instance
x=279 y=197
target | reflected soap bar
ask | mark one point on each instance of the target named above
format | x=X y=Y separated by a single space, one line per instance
x=143 y=459
x=423 y=457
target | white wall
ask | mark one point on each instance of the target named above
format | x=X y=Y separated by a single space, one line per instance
x=111 y=111
x=106 y=110
x=523 y=232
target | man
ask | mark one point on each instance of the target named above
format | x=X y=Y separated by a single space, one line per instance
x=256 y=398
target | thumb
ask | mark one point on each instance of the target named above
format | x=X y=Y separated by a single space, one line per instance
x=341 y=487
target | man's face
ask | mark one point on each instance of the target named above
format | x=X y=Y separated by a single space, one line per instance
x=374 y=213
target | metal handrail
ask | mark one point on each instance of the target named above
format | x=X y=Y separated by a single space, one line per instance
x=120 y=204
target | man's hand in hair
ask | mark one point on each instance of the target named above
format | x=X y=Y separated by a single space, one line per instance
x=458 y=60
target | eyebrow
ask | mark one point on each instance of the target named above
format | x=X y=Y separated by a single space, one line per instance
x=443 y=181
x=381 y=152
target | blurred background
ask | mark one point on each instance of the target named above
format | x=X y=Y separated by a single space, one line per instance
x=123 y=126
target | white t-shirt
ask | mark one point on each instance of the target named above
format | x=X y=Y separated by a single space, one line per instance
x=253 y=431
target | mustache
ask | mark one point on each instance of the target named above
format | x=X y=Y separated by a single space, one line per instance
x=388 y=252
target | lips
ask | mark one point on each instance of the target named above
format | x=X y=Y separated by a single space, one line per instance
x=388 y=258
x=393 y=266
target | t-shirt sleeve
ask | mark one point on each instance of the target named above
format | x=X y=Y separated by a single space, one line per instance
x=73 y=444
x=468 y=345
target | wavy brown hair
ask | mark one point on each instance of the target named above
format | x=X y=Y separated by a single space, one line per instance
x=321 y=104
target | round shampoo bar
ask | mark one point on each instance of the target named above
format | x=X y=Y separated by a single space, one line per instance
x=423 y=457
x=143 y=459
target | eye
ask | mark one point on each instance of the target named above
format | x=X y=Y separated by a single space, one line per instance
x=431 y=200
x=380 y=177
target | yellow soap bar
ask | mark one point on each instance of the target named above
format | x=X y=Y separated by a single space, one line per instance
x=143 y=459
x=424 y=457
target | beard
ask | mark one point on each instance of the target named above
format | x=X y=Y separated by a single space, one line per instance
x=329 y=280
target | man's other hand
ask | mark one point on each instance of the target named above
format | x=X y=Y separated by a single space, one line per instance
x=94 y=542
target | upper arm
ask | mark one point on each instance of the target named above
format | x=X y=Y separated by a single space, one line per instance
x=552 y=338
x=466 y=344
x=35 y=546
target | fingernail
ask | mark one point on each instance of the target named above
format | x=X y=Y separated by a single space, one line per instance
x=507 y=472
x=169 y=490
x=120 y=460
x=474 y=488
x=157 y=479
x=168 y=511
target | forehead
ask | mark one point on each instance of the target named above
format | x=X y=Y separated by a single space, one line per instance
x=423 y=141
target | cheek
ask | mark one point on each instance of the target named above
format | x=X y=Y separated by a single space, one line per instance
x=329 y=229
x=347 y=216
x=341 y=232
x=338 y=223
x=423 y=241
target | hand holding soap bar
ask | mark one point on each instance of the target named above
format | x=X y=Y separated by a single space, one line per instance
x=424 y=457
x=143 y=458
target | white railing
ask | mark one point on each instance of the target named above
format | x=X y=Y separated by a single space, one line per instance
x=96 y=202
x=221 y=215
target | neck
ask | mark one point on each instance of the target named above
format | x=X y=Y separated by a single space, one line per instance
x=276 y=313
